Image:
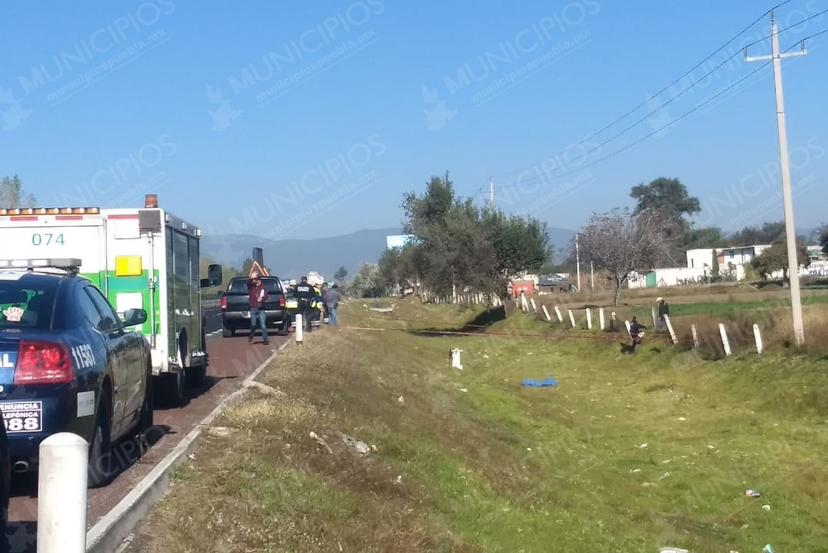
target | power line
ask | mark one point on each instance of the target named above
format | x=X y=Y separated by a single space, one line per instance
x=665 y=126
x=678 y=79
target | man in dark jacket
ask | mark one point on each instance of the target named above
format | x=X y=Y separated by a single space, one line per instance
x=304 y=293
x=256 y=297
x=636 y=332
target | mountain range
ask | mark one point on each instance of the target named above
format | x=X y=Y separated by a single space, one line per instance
x=294 y=257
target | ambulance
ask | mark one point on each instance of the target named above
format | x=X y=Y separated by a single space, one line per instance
x=144 y=258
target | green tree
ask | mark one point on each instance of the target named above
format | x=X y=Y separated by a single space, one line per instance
x=668 y=198
x=705 y=237
x=340 y=275
x=13 y=195
x=775 y=259
x=768 y=233
x=823 y=239
x=246 y=266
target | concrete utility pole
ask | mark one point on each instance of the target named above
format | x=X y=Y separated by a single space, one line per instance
x=591 y=277
x=787 y=196
x=491 y=194
x=578 y=261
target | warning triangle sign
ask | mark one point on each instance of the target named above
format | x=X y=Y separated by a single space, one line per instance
x=256 y=268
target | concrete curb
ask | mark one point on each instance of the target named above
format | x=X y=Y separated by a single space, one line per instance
x=110 y=531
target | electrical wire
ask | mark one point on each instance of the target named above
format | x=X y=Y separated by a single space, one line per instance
x=679 y=79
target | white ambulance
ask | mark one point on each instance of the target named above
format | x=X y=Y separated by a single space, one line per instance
x=139 y=258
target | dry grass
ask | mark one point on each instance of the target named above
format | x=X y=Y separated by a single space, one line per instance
x=471 y=461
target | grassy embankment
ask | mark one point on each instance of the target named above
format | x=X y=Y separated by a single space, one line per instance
x=629 y=453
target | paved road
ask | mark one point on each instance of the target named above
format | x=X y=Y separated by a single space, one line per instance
x=231 y=360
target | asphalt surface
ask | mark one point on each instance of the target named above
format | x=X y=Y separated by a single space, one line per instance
x=231 y=360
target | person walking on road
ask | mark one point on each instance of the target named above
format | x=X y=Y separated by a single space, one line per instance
x=331 y=299
x=663 y=309
x=304 y=293
x=257 y=296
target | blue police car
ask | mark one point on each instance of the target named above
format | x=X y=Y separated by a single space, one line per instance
x=68 y=363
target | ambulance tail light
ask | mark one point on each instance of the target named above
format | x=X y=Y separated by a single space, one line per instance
x=224 y=304
x=43 y=363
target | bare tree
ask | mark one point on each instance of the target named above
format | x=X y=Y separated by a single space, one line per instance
x=621 y=242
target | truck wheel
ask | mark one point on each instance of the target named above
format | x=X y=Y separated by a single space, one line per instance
x=99 y=471
x=227 y=332
x=196 y=374
x=178 y=388
x=145 y=421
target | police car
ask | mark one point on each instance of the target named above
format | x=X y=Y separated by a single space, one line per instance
x=68 y=363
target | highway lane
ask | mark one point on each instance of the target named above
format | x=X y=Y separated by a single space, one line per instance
x=231 y=360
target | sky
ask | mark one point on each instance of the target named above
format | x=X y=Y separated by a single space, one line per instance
x=311 y=119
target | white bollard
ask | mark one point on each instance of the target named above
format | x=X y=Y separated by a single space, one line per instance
x=725 y=341
x=571 y=318
x=670 y=329
x=533 y=304
x=524 y=304
x=300 y=329
x=558 y=314
x=589 y=318
x=655 y=317
x=456 y=363
x=695 y=334
x=546 y=313
x=627 y=323
x=61 y=504
x=758 y=336
x=601 y=320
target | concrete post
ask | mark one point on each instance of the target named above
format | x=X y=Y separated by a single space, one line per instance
x=758 y=336
x=655 y=317
x=546 y=313
x=673 y=338
x=558 y=314
x=601 y=320
x=725 y=341
x=300 y=329
x=695 y=334
x=627 y=323
x=589 y=318
x=61 y=504
x=571 y=318
x=456 y=362
x=533 y=304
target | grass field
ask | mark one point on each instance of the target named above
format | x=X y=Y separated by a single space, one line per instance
x=627 y=454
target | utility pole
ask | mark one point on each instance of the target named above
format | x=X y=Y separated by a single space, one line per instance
x=578 y=262
x=591 y=277
x=491 y=194
x=784 y=161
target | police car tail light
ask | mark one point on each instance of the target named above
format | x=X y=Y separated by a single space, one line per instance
x=43 y=363
x=224 y=304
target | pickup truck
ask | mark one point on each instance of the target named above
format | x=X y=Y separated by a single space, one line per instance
x=235 y=308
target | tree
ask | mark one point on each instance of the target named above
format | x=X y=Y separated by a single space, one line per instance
x=775 y=259
x=823 y=239
x=340 y=275
x=12 y=194
x=621 y=242
x=246 y=266
x=768 y=233
x=668 y=198
x=705 y=237
x=666 y=195
x=367 y=283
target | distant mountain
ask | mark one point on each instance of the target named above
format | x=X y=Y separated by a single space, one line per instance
x=291 y=258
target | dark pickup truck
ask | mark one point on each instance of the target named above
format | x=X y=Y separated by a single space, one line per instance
x=235 y=308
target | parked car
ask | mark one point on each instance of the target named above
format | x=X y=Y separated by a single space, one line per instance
x=69 y=364
x=555 y=283
x=235 y=307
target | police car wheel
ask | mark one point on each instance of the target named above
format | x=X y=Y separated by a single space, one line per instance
x=100 y=452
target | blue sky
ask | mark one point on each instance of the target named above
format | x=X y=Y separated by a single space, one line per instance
x=312 y=119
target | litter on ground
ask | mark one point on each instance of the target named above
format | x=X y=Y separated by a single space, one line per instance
x=545 y=383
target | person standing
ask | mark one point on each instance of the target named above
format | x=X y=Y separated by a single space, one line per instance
x=304 y=293
x=256 y=298
x=332 y=298
x=663 y=309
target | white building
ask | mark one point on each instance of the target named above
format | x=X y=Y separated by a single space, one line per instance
x=731 y=259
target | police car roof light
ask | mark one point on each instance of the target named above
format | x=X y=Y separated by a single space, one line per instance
x=70 y=264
